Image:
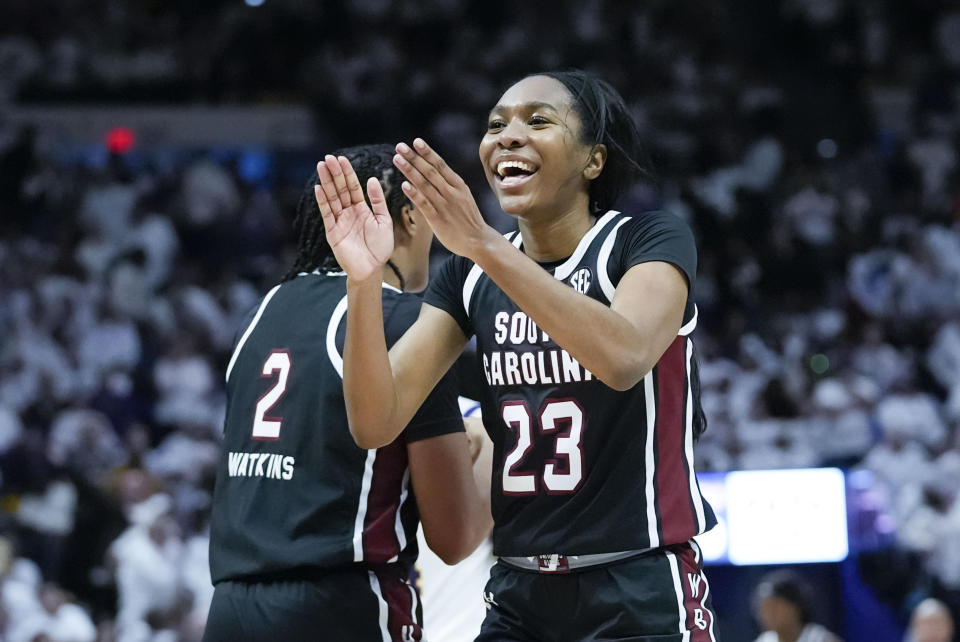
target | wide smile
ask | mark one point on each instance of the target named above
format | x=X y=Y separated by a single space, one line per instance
x=513 y=173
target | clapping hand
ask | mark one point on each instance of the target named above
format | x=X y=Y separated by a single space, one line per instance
x=443 y=198
x=360 y=235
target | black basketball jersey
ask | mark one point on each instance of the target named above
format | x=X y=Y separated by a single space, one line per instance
x=294 y=493
x=579 y=467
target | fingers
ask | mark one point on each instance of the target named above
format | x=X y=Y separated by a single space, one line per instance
x=418 y=188
x=430 y=166
x=326 y=210
x=355 y=192
x=324 y=171
x=340 y=172
x=378 y=202
x=419 y=200
x=434 y=159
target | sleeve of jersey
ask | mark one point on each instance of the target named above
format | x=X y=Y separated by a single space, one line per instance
x=657 y=236
x=440 y=412
x=446 y=291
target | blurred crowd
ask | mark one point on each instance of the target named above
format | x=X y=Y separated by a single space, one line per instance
x=811 y=144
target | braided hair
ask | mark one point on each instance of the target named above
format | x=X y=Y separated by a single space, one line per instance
x=313 y=251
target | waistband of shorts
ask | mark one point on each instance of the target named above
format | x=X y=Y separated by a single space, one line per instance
x=319 y=573
x=556 y=563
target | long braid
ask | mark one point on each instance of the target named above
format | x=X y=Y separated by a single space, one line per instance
x=313 y=251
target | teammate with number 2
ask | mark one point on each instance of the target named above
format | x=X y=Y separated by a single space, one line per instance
x=313 y=538
x=582 y=319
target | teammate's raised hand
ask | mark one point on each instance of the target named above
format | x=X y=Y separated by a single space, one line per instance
x=360 y=235
x=443 y=197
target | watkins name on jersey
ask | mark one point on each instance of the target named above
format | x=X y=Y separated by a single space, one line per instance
x=268 y=465
x=547 y=364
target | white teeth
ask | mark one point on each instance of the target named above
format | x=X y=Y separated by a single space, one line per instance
x=503 y=165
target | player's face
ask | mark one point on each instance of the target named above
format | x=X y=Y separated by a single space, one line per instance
x=532 y=154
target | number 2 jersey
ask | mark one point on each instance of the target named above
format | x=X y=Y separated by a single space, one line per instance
x=580 y=468
x=294 y=494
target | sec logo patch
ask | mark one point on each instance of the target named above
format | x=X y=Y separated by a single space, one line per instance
x=581 y=280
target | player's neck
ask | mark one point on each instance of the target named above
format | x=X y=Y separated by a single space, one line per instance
x=550 y=238
x=390 y=276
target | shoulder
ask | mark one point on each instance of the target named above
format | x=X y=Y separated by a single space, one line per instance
x=400 y=309
x=656 y=222
x=449 y=281
x=455 y=267
x=653 y=236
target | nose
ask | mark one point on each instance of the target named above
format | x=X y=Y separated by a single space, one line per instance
x=513 y=135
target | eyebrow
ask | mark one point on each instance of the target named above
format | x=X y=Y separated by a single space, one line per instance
x=534 y=105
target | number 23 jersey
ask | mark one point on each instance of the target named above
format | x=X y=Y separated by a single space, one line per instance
x=579 y=467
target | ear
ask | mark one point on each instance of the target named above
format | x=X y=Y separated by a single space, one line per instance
x=598 y=158
x=409 y=219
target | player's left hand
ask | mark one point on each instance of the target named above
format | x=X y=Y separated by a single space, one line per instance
x=443 y=198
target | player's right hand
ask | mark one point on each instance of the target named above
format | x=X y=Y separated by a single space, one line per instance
x=360 y=235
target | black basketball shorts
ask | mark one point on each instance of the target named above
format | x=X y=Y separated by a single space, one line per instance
x=351 y=604
x=659 y=596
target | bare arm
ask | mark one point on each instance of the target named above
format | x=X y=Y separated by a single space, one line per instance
x=618 y=344
x=481 y=449
x=454 y=510
x=383 y=390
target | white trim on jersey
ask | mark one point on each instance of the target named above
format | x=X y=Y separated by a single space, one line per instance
x=651 y=402
x=398 y=524
x=706 y=588
x=603 y=258
x=678 y=589
x=362 y=506
x=382 y=603
x=246 y=334
x=688 y=445
x=565 y=269
x=560 y=273
x=691 y=324
x=338 y=313
x=336 y=359
x=474 y=275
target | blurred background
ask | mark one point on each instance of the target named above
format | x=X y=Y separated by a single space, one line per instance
x=151 y=154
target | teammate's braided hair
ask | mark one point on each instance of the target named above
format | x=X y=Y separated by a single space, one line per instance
x=605 y=119
x=313 y=251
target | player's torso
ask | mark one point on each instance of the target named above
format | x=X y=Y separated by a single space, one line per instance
x=575 y=466
x=293 y=489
